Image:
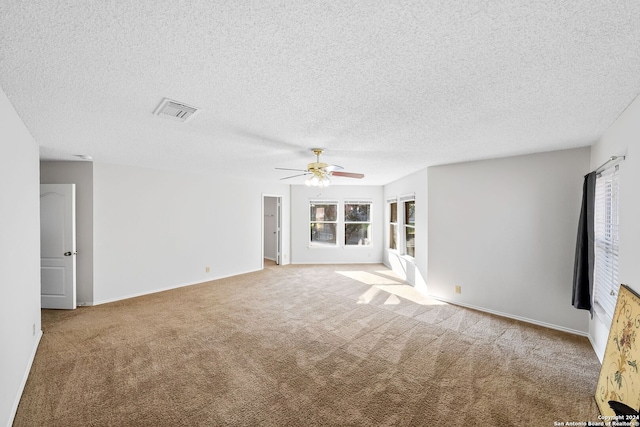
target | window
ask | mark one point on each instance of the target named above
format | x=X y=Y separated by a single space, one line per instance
x=402 y=224
x=357 y=223
x=606 y=285
x=324 y=221
x=410 y=228
x=393 y=225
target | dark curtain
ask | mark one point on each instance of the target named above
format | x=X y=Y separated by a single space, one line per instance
x=583 y=268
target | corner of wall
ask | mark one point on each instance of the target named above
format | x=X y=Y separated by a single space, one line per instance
x=413 y=270
x=621 y=139
x=20 y=243
x=25 y=377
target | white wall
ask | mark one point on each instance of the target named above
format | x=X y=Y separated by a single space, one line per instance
x=81 y=174
x=20 y=255
x=622 y=138
x=505 y=231
x=302 y=253
x=156 y=230
x=413 y=270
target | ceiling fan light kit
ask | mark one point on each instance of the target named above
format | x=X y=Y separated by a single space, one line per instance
x=321 y=172
x=319 y=179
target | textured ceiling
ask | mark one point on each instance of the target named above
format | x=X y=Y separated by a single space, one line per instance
x=387 y=87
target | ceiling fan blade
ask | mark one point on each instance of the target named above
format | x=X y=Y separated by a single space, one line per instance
x=293 y=176
x=332 y=168
x=348 y=174
x=287 y=169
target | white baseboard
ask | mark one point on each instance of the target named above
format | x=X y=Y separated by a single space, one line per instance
x=23 y=383
x=511 y=316
x=337 y=263
x=168 y=288
x=593 y=346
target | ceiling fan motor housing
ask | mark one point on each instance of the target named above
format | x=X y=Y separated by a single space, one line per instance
x=316 y=166
x=321 y=172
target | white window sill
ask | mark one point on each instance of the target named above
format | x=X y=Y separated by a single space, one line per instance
x=348 y=247
x=400 y=255
x=602 y=316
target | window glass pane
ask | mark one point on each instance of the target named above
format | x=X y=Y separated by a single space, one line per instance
x=357 y=234
x=410 y=239
x=323 y=233
x=357 y=213
x=392 y=237
x=394 y=212
x=409 y=212
x=324 y=212
x=606 y=280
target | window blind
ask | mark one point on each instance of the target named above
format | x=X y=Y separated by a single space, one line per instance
x=606 y=283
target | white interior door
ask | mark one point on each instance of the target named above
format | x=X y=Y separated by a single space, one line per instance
x=278 y=231
x=269 y=227
x=58 y=245
x=272 y=228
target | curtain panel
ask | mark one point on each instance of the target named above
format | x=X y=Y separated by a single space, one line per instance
x=585 y=253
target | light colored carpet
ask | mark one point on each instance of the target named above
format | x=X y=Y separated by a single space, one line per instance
x=344 y=345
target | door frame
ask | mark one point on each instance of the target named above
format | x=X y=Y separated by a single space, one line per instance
x=278 y=198
x=66 y=258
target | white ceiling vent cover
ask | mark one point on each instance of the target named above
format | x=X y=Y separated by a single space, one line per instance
x=175 y=110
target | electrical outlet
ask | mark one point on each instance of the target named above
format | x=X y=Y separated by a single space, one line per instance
x=34 y=330
x=207 y=270
x=458 y=289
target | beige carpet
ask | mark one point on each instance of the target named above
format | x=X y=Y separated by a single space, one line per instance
x=343 y=345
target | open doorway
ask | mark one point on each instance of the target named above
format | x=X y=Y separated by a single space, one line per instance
x=271 y=229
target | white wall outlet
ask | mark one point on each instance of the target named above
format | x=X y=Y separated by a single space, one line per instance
x=207 y=269
x=34 y=330
x=458 y=289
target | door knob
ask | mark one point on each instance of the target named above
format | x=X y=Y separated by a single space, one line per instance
x=70 y=253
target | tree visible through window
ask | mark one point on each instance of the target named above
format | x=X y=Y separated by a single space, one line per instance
x=324 y=221
x=393 y=225
x=410 y=228
x=357 y=223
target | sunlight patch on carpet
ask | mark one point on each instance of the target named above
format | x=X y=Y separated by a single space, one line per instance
x=369 y=278
x=408 y=292
x=368 y=296
x=382 y=282
x=392 y=300
x=391 y=274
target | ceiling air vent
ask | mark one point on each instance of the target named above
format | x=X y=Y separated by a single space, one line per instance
x=175 y=110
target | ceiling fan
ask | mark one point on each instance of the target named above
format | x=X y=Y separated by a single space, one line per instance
x=320 y=173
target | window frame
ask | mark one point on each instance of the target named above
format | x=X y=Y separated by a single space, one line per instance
x=392 y=226
x=606 y=283
x=345 y=223
x=408 y=226
x=317 y=244
x=401 y=225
